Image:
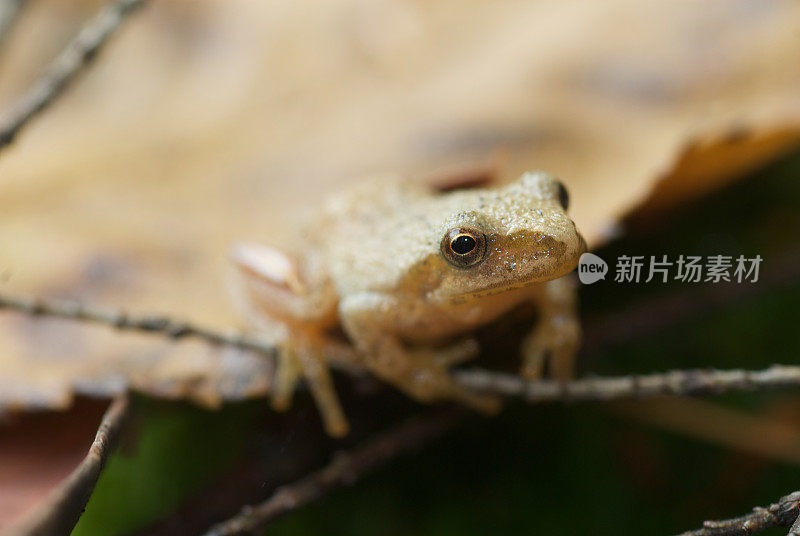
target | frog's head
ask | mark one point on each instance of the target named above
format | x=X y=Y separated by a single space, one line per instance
x=503 y=239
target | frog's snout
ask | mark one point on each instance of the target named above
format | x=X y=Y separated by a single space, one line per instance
x=583 y=247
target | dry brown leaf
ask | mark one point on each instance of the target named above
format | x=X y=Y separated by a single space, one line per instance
x=206 y=123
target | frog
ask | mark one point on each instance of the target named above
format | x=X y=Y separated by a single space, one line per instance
x=395 y=276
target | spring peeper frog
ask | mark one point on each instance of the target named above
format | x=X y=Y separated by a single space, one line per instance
x=407 y=272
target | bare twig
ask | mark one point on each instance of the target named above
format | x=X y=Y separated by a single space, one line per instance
x=346 y=468
x=779 y=514
x=163 y=325
x=62 y=509
x=9 y=9
x=678 y=382
x=77 y=54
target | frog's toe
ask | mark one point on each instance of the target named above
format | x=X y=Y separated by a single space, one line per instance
x=486 y=404
x=430 y=385
x=320 y=383
x=554 y=349
x=562 y=362
x=302 y=357
x=533 y=364
x=286 y=376
x=456 y=353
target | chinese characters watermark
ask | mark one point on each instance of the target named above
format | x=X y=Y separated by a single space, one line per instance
x=686 y=268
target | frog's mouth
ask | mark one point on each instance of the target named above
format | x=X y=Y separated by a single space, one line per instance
x=517 y=283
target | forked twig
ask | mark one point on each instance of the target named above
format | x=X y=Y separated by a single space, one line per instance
x=346 y=468
x=780 y=514
x=63 y=507
x=77 y=54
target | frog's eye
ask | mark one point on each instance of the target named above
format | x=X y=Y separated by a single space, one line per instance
x=563 y=196
x=464 y=246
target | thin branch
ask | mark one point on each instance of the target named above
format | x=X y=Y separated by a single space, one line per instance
x=158 y=324
x=9 y=9
x=76 y=55
x=678 y=382
x=64 y=506
x=345 y=469
x=780 y=514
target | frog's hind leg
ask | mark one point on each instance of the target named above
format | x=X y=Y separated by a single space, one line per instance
x=298 y=297
x=276 y=286
x=301 y=356
x=286 y=376
x=320 y=383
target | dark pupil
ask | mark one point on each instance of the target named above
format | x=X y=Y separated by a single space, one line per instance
x=462 y=244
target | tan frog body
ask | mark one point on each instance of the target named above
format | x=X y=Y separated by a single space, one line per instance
x=408 y=273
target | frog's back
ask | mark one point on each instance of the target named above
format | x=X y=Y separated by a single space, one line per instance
x=371 y=234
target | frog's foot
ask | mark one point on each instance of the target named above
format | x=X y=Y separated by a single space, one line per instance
x=305 y=358
x=420 y=374
x=456 y=353
x=555 y=344
x=320 y=383
x=286 y=375
x=428 y=384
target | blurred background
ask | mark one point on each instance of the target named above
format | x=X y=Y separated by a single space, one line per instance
x=203 y=123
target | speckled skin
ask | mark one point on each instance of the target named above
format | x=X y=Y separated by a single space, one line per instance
x=372 y=264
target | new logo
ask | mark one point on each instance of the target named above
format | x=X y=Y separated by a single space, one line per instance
x=591 y=268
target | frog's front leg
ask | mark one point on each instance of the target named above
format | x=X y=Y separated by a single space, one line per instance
x=556 y=337
x=367 y=318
